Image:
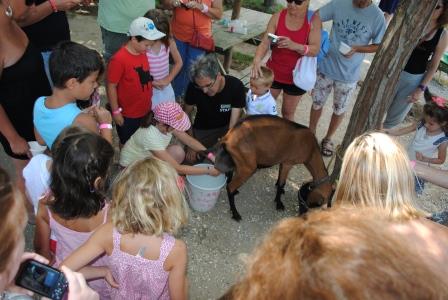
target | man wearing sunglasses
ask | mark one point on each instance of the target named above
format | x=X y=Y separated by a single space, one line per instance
x=358 y=28
x=218 y=100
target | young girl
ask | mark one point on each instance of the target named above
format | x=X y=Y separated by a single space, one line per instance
x=431 y=135
x=158 y=57
x=77 y=205
x=145 y=259
x=154 y=137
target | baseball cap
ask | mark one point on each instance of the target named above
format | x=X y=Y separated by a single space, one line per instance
x=170 y=113
x=145 y=27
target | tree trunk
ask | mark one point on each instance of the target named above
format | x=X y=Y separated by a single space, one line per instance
x=376 y=93
x=236 y=9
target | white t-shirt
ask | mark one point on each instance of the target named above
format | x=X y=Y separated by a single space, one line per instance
x=142 y=142
x=426 y=144
x=37 y=178
x=260 y=105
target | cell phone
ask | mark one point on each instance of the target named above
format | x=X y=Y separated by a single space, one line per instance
x=42 y=279
x=273 y=38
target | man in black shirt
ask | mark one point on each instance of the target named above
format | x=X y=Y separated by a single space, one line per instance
x=218 y=100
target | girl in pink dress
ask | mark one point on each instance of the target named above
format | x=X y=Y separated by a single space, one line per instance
x=145 y=259
x=77 y=205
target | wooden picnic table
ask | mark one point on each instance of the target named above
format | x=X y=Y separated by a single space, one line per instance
x=224 y=40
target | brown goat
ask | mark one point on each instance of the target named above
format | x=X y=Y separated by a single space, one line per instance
x=265 y=141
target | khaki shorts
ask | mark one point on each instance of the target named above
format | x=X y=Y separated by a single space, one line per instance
x=342 y=93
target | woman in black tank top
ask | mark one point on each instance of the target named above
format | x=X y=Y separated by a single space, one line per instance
x=420 y=67
x=22 y=80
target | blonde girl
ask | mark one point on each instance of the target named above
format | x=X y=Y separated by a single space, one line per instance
x=158 y=56
x=144 y=258
x=376 y=173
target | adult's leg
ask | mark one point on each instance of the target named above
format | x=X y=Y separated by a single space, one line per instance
x=342 y=95
x=400 y=105
x=112 y=42
x=188 y=54
x=289 y=106
x=19 y=165
x=319 y=95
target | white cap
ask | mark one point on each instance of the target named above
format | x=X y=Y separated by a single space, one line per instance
x=145 y=27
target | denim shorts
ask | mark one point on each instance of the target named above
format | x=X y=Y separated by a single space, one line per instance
x=112 y=42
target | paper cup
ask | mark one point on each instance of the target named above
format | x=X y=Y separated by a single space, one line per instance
x=36 y=149
x=344 y=48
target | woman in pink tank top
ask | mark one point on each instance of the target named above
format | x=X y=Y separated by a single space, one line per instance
x=145 y=259
x=77 y=205
x=297 y=38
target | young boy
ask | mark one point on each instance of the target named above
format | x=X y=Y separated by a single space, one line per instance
x=259 y=100
x=74 y=70
x=129 y=87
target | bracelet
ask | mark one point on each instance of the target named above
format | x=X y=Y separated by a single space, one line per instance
x=205 y=9
x=105 y=126
x=306 y=50
x=53 y=5
x=117 y=111
x=412 y=164
x=422 y=87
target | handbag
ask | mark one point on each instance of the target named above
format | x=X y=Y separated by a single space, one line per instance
x=304 y=73
x=201 y=41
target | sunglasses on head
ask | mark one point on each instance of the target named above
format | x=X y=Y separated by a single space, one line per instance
x=297 y=2
x=30 y=2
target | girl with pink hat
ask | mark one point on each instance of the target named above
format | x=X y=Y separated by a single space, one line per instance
x=154 y=138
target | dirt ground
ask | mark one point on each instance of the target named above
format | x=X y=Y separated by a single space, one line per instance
x=217 y=245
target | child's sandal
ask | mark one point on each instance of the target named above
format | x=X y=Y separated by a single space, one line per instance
x=327 y=147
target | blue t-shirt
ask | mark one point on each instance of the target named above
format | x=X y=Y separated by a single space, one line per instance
x=353 y=26
x=49 y=122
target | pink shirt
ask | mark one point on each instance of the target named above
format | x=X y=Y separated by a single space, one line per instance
x=69 y=240
x=140 y=278
x=159 y=62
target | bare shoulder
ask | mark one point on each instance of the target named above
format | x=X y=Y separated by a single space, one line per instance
x=178 y=255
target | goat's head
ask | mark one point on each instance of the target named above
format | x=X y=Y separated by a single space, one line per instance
x=310 y=197
x=223 y=161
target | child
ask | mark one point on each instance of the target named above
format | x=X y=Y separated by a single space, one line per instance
x=431 y=135
x=144 y=257
x=158 y=57
x=129 y=87
x=259 y=100
x=75 y=70
x=77 y=205
x=154 y=137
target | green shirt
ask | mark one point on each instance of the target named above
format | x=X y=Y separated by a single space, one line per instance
x=117 y=15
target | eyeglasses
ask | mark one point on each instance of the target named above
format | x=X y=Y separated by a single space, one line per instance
x=208 y=86
x=297 y=2
x=438 y=6
x=30 y=2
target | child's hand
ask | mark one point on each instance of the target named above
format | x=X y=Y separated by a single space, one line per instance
x=415 y=96
x=214 y=172
x=110 y=278
x=78 y=288
x=118 y=119
x=102 y=115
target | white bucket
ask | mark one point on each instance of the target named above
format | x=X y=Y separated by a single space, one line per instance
x=204 y=190
x=36 y=148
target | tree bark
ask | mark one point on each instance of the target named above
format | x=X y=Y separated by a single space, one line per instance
x=375 y=96
x=236 y=9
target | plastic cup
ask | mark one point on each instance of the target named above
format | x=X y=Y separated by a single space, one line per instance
x=36 y=149
x=344 y=48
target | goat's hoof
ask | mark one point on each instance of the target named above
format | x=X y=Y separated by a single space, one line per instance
x=236 y=217
x=280 y=206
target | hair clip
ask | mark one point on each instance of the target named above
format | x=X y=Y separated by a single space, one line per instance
x=440 y=101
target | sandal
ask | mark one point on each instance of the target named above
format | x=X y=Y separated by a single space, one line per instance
x=327 y=147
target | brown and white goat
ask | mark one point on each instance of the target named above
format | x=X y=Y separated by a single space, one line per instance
x=265 y=141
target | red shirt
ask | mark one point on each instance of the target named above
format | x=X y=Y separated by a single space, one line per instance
x=131 y=74
x=283 y=61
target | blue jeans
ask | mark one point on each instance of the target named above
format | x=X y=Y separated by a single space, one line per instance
x=188 y=54
x=46 y=59
x=112 y=42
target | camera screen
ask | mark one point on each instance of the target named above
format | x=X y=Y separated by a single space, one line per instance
x=43 y=280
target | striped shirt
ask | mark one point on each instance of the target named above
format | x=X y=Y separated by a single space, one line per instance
x=159 y=62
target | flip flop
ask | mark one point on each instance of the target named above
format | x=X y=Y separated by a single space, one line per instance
x=327 y=147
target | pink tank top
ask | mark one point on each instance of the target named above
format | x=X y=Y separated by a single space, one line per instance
x=159 y=62
x=140 y=278
x=283 y=61
x=69 y=240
